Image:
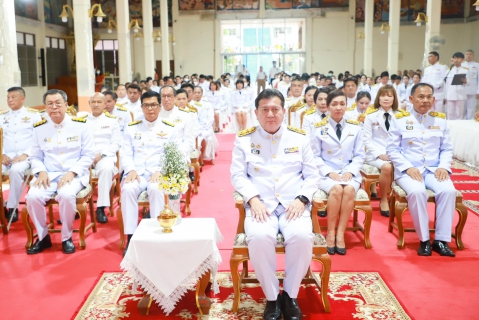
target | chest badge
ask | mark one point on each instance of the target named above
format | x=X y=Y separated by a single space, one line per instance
x=409 y=127
x=25 y=120
x=254 y=151
x=291 y=150
x=409 y=122
x=434 y=127
x=71 y=139
x=137 y=136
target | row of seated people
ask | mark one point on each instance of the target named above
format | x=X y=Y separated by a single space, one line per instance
x=60 y=150
x=278 y=168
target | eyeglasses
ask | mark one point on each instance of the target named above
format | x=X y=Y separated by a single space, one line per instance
x=167 y=96
x=53 y=105
x=150 y=106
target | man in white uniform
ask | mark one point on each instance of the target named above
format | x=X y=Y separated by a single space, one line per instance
x=106 y=141
x=273 y=168
x=17 y=125
x=350 y=88
x=62 y=153
x=123 y=116
x=456 y=96
x=435 y=75
x=142 y=145
x=296 y=89
x=207 y=141
x=122 y=94
x=272 y=72
x=472 y=90
x=384 y=81
x=420 y=148
x=134 y=104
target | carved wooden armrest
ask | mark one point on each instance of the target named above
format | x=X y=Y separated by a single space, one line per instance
x=238 y=197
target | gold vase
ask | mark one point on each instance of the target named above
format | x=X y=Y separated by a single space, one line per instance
x=167 y=218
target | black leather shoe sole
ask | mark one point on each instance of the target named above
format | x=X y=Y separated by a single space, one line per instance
x=39 y=246
x=68 y=247
x=322 y=214
x=101 y=218
x=331 y=251
x=444 y=251
x=374 y=195
x=340 y=251
x=385 y=213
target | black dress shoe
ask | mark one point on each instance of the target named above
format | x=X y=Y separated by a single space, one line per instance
x=11 y=212
x=40 y=245
x=331 y=250
x=290 y=308
x=192 y=176
x=384 y=213
x=340 y=251
x=424 y=248
x=272 y=311
x=77 y=216
x=442 y=248
x=322 y=213
x=100 y=215
x=374 y=195
x=68 y=246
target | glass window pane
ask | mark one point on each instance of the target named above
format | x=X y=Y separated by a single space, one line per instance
x=116 y=44
x=62 y=43
x=108 y=45
x=30 y=39
x=47 y=42
x=55 y=43
x=20 y=38
x=99 y=45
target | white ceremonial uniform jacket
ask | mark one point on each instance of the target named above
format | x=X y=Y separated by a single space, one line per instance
x=143 y=143
x=456 y=92
x=364 y=87
x=241 y=100
x=122 y=101
x=106 y=134
x=216 y=99
x=334 y=155
x=123 y=116
x=276 y=167
x=288 y=103
x=473 y=87
x=59 y=148
x=375 y=133
x=206 y=117
x=353 y=113
x=434 y=75
x=420 y=141
x=134 y=108
x=310 y=118
x=402 y=92
x=18 y=130
x=283 y=88
x=186 y=126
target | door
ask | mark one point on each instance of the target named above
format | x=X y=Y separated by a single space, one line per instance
x=159 y=69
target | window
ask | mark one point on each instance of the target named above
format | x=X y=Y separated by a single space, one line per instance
x=27 y=59
x=57 y=60
x=106 y=56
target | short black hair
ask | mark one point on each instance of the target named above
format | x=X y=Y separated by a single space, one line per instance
x=180 y=91
x=187 y=85
x=362 y=94
x=142 y=81
x=326 y=90
x=17 y=89
x=110 y=93
x=459 y=55
x=269 y=94
x=419 y=85
x=134 y=86
x=352 y=79
x=434 y=53
x=148 y=79
x=239 y=81
x=334 y=94
x=150 y=94
x=384 y=74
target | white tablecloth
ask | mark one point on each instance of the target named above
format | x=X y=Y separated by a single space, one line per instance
x=465 y=140
x=166 y=265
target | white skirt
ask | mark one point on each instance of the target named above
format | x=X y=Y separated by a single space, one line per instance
x=326 y=184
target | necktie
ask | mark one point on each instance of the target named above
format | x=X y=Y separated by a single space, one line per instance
x=338 y=131
x=240 y=92
x=387 y=121
x=323 y=116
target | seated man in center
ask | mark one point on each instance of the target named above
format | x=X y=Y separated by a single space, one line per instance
x=273 y=168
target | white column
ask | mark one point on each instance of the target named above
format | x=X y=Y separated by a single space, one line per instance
x=433 y=26
x=124 y=41
x=393 y=41
x=9 y=69
x=368 y=42
x=165 y=35
x=149 y=53
x=83 y=53
x=262 y=9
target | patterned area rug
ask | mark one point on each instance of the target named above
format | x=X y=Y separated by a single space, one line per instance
x=352 y=295
x=466 y=180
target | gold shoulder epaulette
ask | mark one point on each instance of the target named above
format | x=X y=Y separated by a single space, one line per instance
x=437 y=114
x=311 y=111
x=353 y=106
x=245 y=132
x=465 y=68
x=321 y=123
x=83 y=116
x=402 y=114
x=198 y=104
x=109 y=115
x=119 y=104
x=353 y=122
x=171 y=124
x=4 y=111
x=297 y=130
x=133 y=123
x=371 y=109
x=32 y=110
x=79 y=119
x=121 y=108
x=183 y=109
x=39 y=123
x=42 y=111
x=301 y=106
x=287 y=99
x=205 y=99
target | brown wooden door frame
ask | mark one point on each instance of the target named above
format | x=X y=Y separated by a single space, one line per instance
x=159 y=70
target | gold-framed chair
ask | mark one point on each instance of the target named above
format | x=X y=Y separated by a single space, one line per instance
x=398 y=205
x=294 y=108
x=361 y=203
x=370 y=176
x=240 y=255
x=84 y=202
x=115 y=187
x=194 y=158
x=303 y=114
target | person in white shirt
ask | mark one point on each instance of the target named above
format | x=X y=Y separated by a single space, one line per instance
x=123 y=116
x=364 y=86
x=296 y=89
x=358 y=108
x=216 y=99
x=319 y=112
x=273 y=71
x=455 y=98
x=435 y=75
x=134 y=104
x=350 y=88
x=261 y=80
x=206 y=115
x=384 y=79
x=402 y=91
x=204 y=84
x=241 y=104
x=121 y=92
x=284 y=85
x=472 y=91
x=154 y=86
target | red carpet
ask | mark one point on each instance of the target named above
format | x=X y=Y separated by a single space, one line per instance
x=52 y=285
x=466 y=179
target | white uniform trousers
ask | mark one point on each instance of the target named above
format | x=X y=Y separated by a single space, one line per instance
x=417 y=203
x=298 y=242
x=455 y=109
x=16 y=175
x=470 y=108
x=105 y=170
x=439 y=105
x=66 y=197
x=129 y=201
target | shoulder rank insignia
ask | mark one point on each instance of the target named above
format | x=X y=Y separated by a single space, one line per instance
x=32 y=110
x=119 y=104
x=353 y=106
x=42 y=111
x=245 y=132
x=121 y=108
x=109 y=115
x=78 y=119
x=353 y=122
x=85 y=116
x=466 y=68
x=4 y=111
x=134 y=123
x=183 y=109
x=297 y=130
x=287 y=99
x=371 y=109
x=321 y=123
x=311 y=111
x=39 y=123
x=171 y=124
x=198 y=104
x=437 y=114
x=402 y=114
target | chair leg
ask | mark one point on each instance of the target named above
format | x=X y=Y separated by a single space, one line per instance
x=462 y=210
x=92 y=213
x=399 y=210
x=120 y=226
x=368 y=217
x=112 y=197
x=196 y=166
x=367 y=186
x=28 y=227
x=3 y=220
x=245 y=268
x=188 y=200
x=325 y=260
x=82 y=211
x=392 y=213
x=235 y=276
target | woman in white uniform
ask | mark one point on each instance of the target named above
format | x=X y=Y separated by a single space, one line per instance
x=215 y=97
x=402 y=92
x=358 y=109
x=379 y=118
x=338 y=149
x=319 y=112
x=309 y=105
x=241 y=99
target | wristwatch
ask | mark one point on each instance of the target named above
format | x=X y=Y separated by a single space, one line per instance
x=103 y=156
x=303 y=199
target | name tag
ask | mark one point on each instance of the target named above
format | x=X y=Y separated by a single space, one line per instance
x=71 y=139
x=254 y=151
x=409 y=128
x=434 y=127
x=105 y=127
x=291 y=150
